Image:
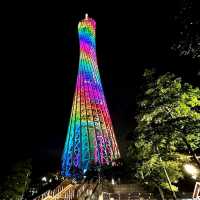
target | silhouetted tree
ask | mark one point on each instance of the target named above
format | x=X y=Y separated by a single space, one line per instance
x=186 y=41
x=17 y=181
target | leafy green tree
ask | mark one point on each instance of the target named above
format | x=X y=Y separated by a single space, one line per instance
x=150 y=165
x=171 y=108
x=168 y=125
x=16 y=182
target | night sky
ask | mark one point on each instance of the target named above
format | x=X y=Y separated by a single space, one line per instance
x=39 y=64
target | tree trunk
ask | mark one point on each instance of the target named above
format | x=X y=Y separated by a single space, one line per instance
x=191 y=150
x=161 y=192
x=166 y=174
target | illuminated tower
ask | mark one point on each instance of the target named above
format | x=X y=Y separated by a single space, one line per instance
x=90 y=136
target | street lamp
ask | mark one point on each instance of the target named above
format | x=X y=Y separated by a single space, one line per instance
x=113 y=181
x=192 y=170
x=44 y=179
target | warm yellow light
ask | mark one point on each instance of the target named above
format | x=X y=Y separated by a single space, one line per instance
x=113 y=181
x=191 y=169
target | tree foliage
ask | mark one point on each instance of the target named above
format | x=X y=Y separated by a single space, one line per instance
x=148 y=166
x=168 y=126
x=16 y=182
x=171 y=108
x=186 y=25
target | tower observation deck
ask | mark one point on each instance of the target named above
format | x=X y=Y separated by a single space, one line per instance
x=90 y=136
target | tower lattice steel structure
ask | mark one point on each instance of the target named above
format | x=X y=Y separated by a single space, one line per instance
x=90 y=136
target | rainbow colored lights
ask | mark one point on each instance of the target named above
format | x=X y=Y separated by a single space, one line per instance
x=90 y=136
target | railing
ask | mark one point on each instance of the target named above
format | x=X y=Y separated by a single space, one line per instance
x=129 y=196
x=86 y=190
x=66 y=193
x=91 y=190
x=65 y=189
x=44 y=195
x=196 y=193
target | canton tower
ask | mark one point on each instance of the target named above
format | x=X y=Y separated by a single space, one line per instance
x=90 y=135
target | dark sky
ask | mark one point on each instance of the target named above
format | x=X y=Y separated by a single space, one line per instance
x=40 y=55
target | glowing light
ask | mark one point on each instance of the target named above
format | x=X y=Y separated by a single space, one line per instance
x=113 y=181
x=90 y=136
x=44 y=179
x=190 y=169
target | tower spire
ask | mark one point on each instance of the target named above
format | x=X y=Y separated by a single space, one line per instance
x=86 y=15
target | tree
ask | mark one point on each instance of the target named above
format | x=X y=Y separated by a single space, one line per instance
x=186 y=24
x=17 y=181
x=168 y=124
x=151 y=169
x=172 y=108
